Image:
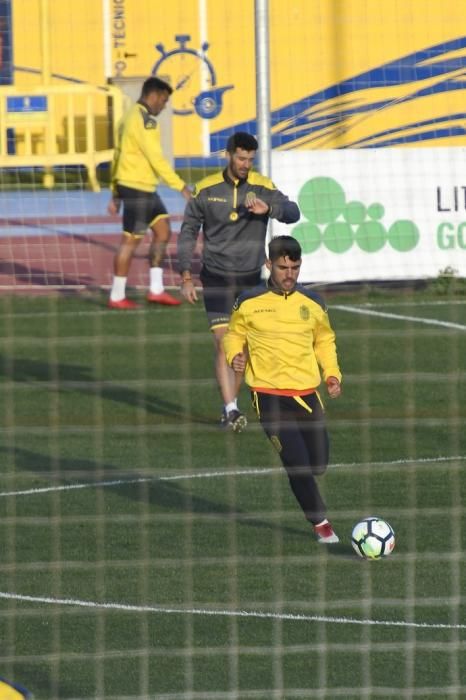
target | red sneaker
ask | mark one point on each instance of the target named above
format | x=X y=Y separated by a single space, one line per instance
x=122 y=304
x=325 y=533
x=163 y=298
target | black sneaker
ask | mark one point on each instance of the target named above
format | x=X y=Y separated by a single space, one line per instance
x=234 y=420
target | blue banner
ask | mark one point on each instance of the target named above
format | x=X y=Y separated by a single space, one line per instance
x=26 y=103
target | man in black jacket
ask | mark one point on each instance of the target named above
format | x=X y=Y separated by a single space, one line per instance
x=232 y=208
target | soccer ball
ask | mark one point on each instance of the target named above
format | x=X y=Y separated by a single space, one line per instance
x=373 y=538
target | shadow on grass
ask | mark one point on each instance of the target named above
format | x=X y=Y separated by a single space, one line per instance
x=161 y=494
x=341 y=549
x=172 y=497
x=68 y=378
x=45 y=465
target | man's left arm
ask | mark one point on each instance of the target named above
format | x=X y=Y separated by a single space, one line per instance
x=326 y=354
x=149 y=142
x=282 y=208
x=269 y=201
x=274 y=207
x=114 y=204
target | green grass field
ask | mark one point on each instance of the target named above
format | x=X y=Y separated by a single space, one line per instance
x=146 y=554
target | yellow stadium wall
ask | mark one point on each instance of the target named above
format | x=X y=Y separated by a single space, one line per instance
x=314 y=45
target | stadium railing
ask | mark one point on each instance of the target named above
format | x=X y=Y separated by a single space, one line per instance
x=50 y=126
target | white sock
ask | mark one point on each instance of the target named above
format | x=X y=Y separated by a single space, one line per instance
x=322 y=522
x=118 y=290
x=156 y=280
x=232 y=406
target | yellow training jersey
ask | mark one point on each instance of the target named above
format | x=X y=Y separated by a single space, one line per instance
x=287 y=336
x=139 y=161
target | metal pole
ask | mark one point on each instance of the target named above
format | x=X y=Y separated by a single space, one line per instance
x=203 y=25
x=263 y=86
x=48 y=178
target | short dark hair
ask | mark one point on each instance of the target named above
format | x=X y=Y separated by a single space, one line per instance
x=284 y=247
x=241 y=140
x=154 y=84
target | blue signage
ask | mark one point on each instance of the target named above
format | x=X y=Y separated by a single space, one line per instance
x=26 y=103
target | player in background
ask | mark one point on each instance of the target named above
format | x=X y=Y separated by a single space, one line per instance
x=280 y=336
x=138 y=166
x=232 y=208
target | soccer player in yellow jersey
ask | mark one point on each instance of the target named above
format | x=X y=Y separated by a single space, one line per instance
x=138 y=166
x=280 y=336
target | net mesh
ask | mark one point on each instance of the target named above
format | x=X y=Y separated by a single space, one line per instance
x=145 y=552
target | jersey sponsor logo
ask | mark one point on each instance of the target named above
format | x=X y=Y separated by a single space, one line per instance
x=265 y=311
x=216 y=199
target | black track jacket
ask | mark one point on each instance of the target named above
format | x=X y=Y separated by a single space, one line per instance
x=234 y=238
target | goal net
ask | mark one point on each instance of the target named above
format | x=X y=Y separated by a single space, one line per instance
x=146 y=552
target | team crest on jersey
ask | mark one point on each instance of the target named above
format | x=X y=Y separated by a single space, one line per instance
x=150 y=122
x=304 y=313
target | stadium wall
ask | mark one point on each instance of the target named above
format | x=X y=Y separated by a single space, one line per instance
x=367 y=98
x=344 y=73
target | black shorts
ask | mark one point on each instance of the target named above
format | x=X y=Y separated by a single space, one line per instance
x=220 y=292
x=140 y=209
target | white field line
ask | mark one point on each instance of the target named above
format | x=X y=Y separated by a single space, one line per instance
x=105 y=311
x=215 y=474
x=418 y=302
x=156 y=609
x=138 y=480
x=399 y=317
x=258 y=614
x=249 y=472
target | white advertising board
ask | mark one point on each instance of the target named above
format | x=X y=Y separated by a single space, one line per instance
x=376 y=214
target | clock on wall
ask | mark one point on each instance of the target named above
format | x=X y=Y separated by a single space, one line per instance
x=182 y=67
